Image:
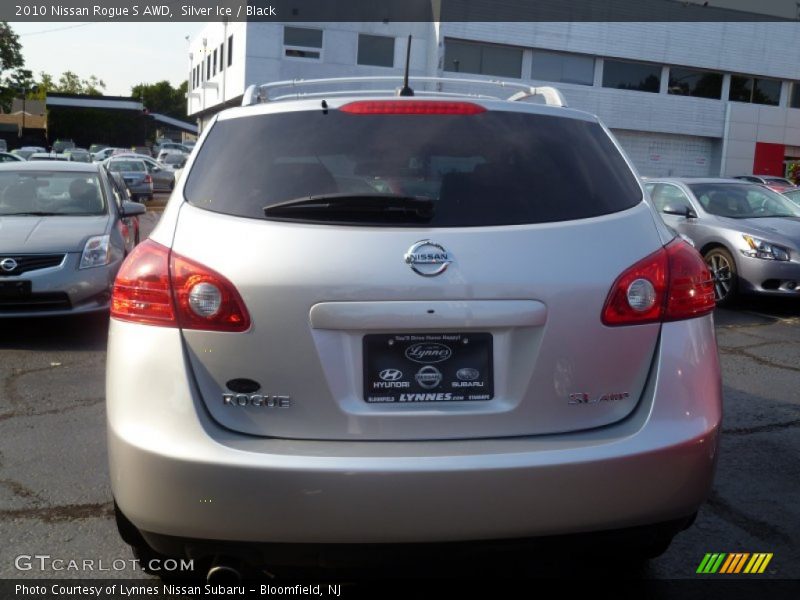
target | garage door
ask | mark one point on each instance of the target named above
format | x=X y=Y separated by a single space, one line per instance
x=665 y=155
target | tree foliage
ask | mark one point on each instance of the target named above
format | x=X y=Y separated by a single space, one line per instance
x=162 y=98
x=11 y=63
x=71 y=83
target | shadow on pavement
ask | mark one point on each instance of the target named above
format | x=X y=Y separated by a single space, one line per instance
x=79 y=333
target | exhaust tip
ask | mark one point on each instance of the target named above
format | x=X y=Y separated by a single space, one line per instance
x=223 y=574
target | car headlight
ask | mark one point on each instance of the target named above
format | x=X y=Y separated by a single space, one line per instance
x=758 y=248
x=96 y=252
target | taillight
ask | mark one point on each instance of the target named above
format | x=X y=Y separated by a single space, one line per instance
x=148 y=179
x=159 y=287
x=205 y=299
x=142 y=289
x=671 y=284
x=411 y=107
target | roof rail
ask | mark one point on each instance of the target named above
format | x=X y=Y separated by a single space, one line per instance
x=256 y=94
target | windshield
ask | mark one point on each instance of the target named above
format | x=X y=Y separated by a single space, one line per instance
x=495 y=168
x=28 y=192
x=742 y=201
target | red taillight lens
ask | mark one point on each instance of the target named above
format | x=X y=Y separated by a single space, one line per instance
x=691 y=287
x=148 y=179
x=159 y=287
x=206 y=299
x=142 y=290
x=411 y=107
x=671 y=284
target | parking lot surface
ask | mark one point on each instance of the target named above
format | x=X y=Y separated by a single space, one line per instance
x=55 y=495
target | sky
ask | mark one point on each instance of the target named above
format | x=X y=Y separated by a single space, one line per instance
x=121 y=54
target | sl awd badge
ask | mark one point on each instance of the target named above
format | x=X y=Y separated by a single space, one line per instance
x=427 y=258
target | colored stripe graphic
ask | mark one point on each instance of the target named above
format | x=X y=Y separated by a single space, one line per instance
x=735 y=563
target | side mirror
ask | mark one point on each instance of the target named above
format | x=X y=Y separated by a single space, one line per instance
x=680 y=211
x=133 y=209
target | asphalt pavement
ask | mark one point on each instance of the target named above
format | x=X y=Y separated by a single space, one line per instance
x=55 y=497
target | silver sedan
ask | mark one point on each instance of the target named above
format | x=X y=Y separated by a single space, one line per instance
x=63 y=238
x=748 y=235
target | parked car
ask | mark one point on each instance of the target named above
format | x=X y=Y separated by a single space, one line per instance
x=61 y=244
x=106 y=153
x=48 y=156
x=136 y=176
x=27 y=151
x=163 y=177
x=94 y=148
x=142 y=150
x=61 y=146
x=129 y=226
x=9 y=157
x=3 y=146
x=171 y=159
x=778 y=184
x=740 y=228
x=173 y=146
x=78 y=155
x=793 y=195
x=508 y=344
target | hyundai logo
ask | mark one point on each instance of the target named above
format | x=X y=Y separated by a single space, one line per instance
x=427 y=258
x=8 y=264
x=390 y=375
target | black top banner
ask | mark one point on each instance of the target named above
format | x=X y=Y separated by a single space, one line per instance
x=400 y=10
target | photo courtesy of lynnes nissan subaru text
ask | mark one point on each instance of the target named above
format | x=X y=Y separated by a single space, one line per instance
x=407 y=318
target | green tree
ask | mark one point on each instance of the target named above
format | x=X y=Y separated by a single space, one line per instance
x=162 y=98
x=11 y=62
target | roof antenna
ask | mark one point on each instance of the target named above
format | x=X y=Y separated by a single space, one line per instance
x=405 y=90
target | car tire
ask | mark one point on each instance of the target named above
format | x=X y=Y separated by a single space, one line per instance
x=723 y=271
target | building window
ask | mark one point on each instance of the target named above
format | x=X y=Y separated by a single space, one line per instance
x=230 y=50
x=221 y=57
x=208 y=67
x=482 y=59
x=300 y=42
x=375 y=50
x=624 y=75
x=756 y=91
x=794 y=98
x=215 y=62
x=562 y=68
x=691 y=82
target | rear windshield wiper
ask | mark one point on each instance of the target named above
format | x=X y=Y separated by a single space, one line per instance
x=366 y=207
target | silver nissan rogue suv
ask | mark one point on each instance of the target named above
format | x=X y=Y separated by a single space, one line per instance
x=368 y=318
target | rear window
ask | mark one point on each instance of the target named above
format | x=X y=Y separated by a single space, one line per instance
x=127 y=166
x=494 y=168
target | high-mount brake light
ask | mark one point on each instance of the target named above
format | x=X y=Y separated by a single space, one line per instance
x=411 y=107
x=159 y=287
x=671 y=284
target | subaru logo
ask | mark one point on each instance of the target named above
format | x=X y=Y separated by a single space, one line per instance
x=428 y=377
x=8 y=264
x=428 y=352
x=427 y=258
x=390 y=375
x=467 y=374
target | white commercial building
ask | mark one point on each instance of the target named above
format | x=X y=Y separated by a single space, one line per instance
x=690 y=99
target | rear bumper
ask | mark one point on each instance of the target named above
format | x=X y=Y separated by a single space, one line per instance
x=176 y=473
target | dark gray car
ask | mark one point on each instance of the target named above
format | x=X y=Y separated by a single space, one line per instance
x=748 y=234
x=63 y=238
